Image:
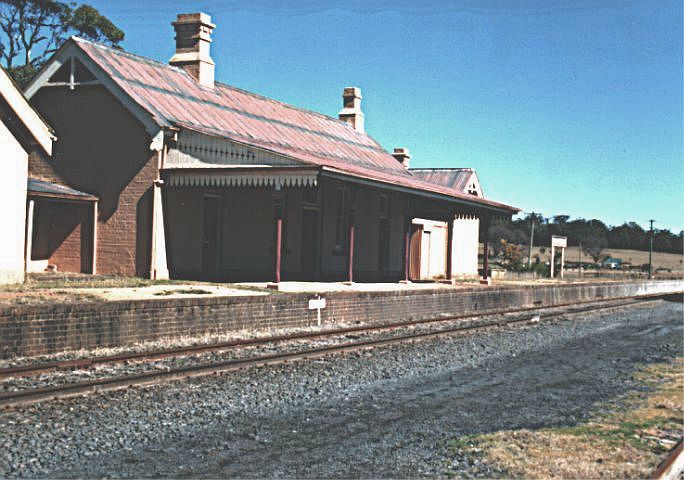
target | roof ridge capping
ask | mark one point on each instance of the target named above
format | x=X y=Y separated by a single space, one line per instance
x=287 y=105
x=442 y=169
x=121 y=51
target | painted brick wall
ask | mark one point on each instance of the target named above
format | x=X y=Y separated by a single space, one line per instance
x=56 y=328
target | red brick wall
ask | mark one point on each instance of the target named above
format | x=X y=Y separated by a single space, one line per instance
x=41 y=168
x=103 y=150
x=62 y=235
x=36 y=330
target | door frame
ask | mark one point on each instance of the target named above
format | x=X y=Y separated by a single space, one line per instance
x=317 y=258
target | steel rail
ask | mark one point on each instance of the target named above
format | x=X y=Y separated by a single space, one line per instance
x=35 y=395
x=665 y=469
x=34 y=369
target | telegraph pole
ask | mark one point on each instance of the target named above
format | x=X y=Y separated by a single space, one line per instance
x=529 y=261
x=650 y=252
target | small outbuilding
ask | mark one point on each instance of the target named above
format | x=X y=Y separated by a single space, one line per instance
x=430 y=256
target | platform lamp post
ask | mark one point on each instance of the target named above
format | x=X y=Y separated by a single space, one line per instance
x=650 y=251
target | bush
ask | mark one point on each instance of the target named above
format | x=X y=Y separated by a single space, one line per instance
x=540 y=269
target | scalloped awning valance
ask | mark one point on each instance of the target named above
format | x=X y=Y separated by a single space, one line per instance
x=242 y=179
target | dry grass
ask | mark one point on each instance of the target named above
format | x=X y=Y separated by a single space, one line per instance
x=628 y=440
x=670 y=261
x=61 y=288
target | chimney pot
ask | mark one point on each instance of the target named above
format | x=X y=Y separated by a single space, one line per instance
x=403 y=156
x=351 y=108
x=193 y=41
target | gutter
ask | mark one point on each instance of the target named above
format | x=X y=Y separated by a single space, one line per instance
x=502 y=210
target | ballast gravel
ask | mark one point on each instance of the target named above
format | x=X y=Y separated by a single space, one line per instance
x=386 y=412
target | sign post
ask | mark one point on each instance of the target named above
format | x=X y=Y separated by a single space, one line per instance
x=560 y=242
x=317 y=304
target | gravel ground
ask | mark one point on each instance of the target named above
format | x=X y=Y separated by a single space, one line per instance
x=378 y=413
x=106 y=370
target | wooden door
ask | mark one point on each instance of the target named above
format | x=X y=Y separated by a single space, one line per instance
x=309 y=252
x=383 y=247
x=210 y=236
x=415 y=251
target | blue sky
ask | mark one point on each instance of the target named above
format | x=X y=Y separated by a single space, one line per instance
x=563 y=107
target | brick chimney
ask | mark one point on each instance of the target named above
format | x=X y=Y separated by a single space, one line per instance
x=403 y=156
x=351 y=108
x=193 y=40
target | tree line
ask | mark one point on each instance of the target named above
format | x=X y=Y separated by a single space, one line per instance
x=593 y=236
x=32 y=30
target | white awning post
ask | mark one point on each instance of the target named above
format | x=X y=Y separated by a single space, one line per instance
x=562 y=260
x=29 y=235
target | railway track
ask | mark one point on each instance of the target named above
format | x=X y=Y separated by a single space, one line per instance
x=28 y=396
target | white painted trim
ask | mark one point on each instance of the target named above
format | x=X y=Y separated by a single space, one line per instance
x=478 y=187
x=95 y=216
x=41 y=132
x=198 y=150
x=28 y=243
x=157 y=143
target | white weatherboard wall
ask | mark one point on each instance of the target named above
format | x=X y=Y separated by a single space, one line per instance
x=433 y=249
x=14 y=168
x=465 y=246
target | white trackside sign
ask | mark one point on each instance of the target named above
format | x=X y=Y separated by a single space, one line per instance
x=558 y=241
x=317 y=303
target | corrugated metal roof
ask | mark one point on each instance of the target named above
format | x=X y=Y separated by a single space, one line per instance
x=456 y=178
x=173 y=97
x=55 y=189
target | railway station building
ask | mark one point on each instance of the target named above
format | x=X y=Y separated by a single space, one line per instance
x=195 y=179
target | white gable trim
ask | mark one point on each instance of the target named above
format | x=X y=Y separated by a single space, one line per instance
x=15 y=99
x=71 y=49
x=474 y=185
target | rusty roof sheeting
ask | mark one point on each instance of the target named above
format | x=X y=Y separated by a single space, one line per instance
x=171 y=96
x=456 y=178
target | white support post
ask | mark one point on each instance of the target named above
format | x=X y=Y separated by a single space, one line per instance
x=562 y=261
x=95 y=211
x=29 y=235
x=158 y=267
x=553 y=259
